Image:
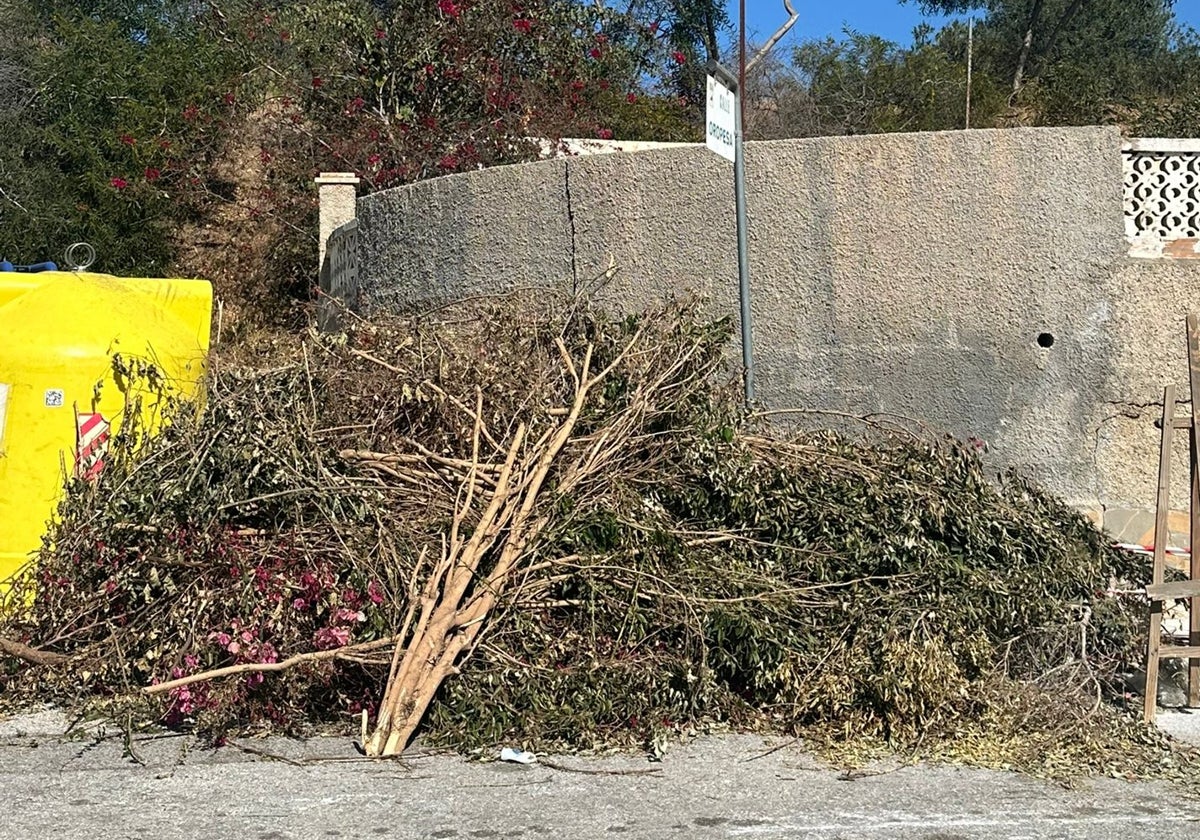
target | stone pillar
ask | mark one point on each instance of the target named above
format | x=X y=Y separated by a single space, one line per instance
x=337 y=196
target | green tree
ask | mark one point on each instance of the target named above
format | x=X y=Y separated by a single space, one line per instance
x=1053 y=62
x=1028 y=34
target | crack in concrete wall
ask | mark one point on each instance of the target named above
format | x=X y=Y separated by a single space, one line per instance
x=571 y=222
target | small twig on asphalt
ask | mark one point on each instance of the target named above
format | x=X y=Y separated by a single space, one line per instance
x=556 y=766
x=267 y=755
x=849 y=775
x=771 y=751
x=129 y=749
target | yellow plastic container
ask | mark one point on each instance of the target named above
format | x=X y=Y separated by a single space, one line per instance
x=59 y=333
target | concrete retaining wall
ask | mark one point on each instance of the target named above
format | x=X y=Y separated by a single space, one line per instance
x=899 y=273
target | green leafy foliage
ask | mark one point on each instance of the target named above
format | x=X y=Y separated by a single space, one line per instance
x=109 y=137
x=183 y=139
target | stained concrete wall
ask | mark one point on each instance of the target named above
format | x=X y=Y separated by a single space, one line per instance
x=898 y=273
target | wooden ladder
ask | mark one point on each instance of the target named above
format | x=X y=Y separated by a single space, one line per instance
x=1158 y=591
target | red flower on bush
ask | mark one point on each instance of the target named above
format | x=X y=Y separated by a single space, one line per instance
x=605 y=134
x=191 y=112
x=523 y=25
x=678 y=57
x=594 y=52
x=152 y=174
x=118 y=183
x=631 y=98
x=128 y=140
x=448 y=162
x=449 y=8
x=380 y=34
x=372 y=160
x=317 y=81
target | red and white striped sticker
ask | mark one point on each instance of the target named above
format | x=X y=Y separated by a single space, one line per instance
x=91 y=444
x=1149 y=549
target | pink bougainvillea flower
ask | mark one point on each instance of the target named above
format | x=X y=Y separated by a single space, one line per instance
x=300 y=604
x=191 y=112
x=374 y=592
x=118 y=183
x=328 y=638
x=605 y=134
x=317 y=81
x=631 y=98
x=523 y=25
x=152 y=174
x=594 y=52
x=380 y=34
x=448 y=162
x=678 y=57
x=449 y=8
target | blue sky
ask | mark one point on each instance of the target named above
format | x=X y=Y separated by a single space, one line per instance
x=888 y=18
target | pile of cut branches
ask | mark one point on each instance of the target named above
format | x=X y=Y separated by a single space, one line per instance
x=515 y=519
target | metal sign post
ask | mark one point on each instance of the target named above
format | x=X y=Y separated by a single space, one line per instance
x=723 y=97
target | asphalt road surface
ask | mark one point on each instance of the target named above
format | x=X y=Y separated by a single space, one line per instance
x=717 y=787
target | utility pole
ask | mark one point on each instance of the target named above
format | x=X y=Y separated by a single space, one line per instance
x=739 y=198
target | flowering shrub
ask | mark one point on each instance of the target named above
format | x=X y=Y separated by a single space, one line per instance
x=159 y=126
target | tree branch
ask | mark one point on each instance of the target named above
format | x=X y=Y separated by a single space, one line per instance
x=774 y=39
x=31 y=655
x=291 y=661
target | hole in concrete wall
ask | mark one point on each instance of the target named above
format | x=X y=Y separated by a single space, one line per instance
x=1045 y=340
